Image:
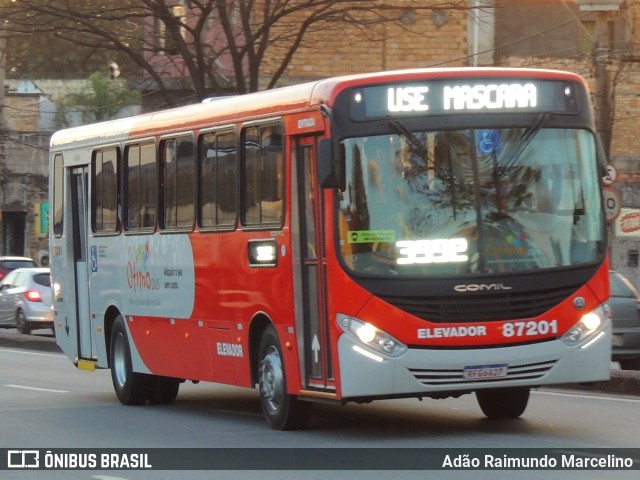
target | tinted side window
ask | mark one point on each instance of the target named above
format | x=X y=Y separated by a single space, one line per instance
x=43 y=279
x=141 y=186
x=105 y=190
x=178 y=183
x=263 y=180
x=218 y=172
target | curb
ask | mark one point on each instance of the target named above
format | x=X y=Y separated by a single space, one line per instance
x=623 y=382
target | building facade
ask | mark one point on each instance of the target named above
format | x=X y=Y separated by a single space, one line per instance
x=568 y=35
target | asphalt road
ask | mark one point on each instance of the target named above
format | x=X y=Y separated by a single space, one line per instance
x=623 y=382
x=46 y=403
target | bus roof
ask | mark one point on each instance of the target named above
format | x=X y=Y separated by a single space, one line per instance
x=265 y=104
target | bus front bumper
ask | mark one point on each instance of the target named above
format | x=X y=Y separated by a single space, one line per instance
x=423 y=371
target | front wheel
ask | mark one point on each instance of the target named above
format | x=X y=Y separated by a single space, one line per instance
x=630 y=364
x=282 y=411
x=503 y=402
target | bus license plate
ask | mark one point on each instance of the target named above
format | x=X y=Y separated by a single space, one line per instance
x=481 y=372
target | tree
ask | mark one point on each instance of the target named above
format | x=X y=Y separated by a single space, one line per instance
x=102 y=100
x=211 y=46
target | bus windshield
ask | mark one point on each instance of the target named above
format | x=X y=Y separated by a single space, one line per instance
x=470 y=201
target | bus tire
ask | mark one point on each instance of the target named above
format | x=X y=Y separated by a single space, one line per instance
x=282 y=410
x=503 y=403
x=131 y=388
x=630 y=364
x=163 y=390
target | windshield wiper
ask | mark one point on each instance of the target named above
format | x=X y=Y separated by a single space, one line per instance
x=414 y=143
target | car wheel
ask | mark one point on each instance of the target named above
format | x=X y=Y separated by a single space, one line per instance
x=131 y=388
x=282 y=411
x=21 y=323
x=503 y=402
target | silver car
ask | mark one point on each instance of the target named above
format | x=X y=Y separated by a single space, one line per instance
x=25 y=299
x=625 y=317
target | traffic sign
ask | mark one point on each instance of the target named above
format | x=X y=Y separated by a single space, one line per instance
x=611 y=176
x=612 y=203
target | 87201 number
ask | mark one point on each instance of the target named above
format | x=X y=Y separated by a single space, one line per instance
x=531 y=328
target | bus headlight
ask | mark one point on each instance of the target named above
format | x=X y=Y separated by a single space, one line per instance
x=589 y=325
x=374 y=338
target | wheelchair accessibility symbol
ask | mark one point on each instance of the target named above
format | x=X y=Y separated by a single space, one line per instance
x=488 y=142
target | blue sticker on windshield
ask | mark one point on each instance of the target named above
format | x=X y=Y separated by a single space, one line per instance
x=488 y=142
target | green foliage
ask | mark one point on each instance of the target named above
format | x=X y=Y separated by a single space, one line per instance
x=102 y=100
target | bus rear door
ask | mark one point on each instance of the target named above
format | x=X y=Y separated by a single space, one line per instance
x=81 y=262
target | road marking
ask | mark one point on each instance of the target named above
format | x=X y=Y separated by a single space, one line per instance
x=107 y=477
x=9 y=350
x=37 y=389
x=591 y=395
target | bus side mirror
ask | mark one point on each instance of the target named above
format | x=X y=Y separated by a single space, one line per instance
x=330 y=169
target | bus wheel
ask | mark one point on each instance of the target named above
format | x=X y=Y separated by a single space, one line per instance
x=283 y=411
x=503 y=402
x=163 y=389
x=630 y=364
x=131 y=388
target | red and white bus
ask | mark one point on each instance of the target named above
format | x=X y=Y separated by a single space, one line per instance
x=423 y=233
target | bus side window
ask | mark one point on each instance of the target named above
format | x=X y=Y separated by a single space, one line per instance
x=105 y=191
x=178 y=183
x=218 y=172
x=141 y=179
x=263 y=186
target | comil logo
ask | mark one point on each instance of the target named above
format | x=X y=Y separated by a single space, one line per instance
x=23 y=459
x=481 y=287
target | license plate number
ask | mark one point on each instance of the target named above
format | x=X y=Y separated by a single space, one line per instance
x=481 y=372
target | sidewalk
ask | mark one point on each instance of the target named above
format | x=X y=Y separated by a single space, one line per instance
x=623 y=382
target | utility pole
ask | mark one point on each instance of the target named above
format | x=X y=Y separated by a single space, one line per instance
x=604 y=10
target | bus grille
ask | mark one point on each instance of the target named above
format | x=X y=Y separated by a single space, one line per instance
x=485 y=306
x=433 y=377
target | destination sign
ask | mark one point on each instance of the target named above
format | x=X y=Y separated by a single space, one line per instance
x=438 y=97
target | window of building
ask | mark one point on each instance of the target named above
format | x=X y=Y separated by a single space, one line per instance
x=167 y=42
x=218 y=180
x=105 y=190
x=178 y=183
x=263 y=175
x=587 y=37
x=140 y=187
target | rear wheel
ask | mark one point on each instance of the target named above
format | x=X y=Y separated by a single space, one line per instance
x=21 y=323
x=162 y=389
x=131 y=388
x=503 y=402
x=283 y=411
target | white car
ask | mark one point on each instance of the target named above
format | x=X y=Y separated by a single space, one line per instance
x=25 y=300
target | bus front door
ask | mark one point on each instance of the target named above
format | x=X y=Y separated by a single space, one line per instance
x=310 y=290
x=80 y=228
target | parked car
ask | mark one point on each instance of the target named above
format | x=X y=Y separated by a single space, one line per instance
x=25 y=299
x=625 y=315
x=8 y=264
